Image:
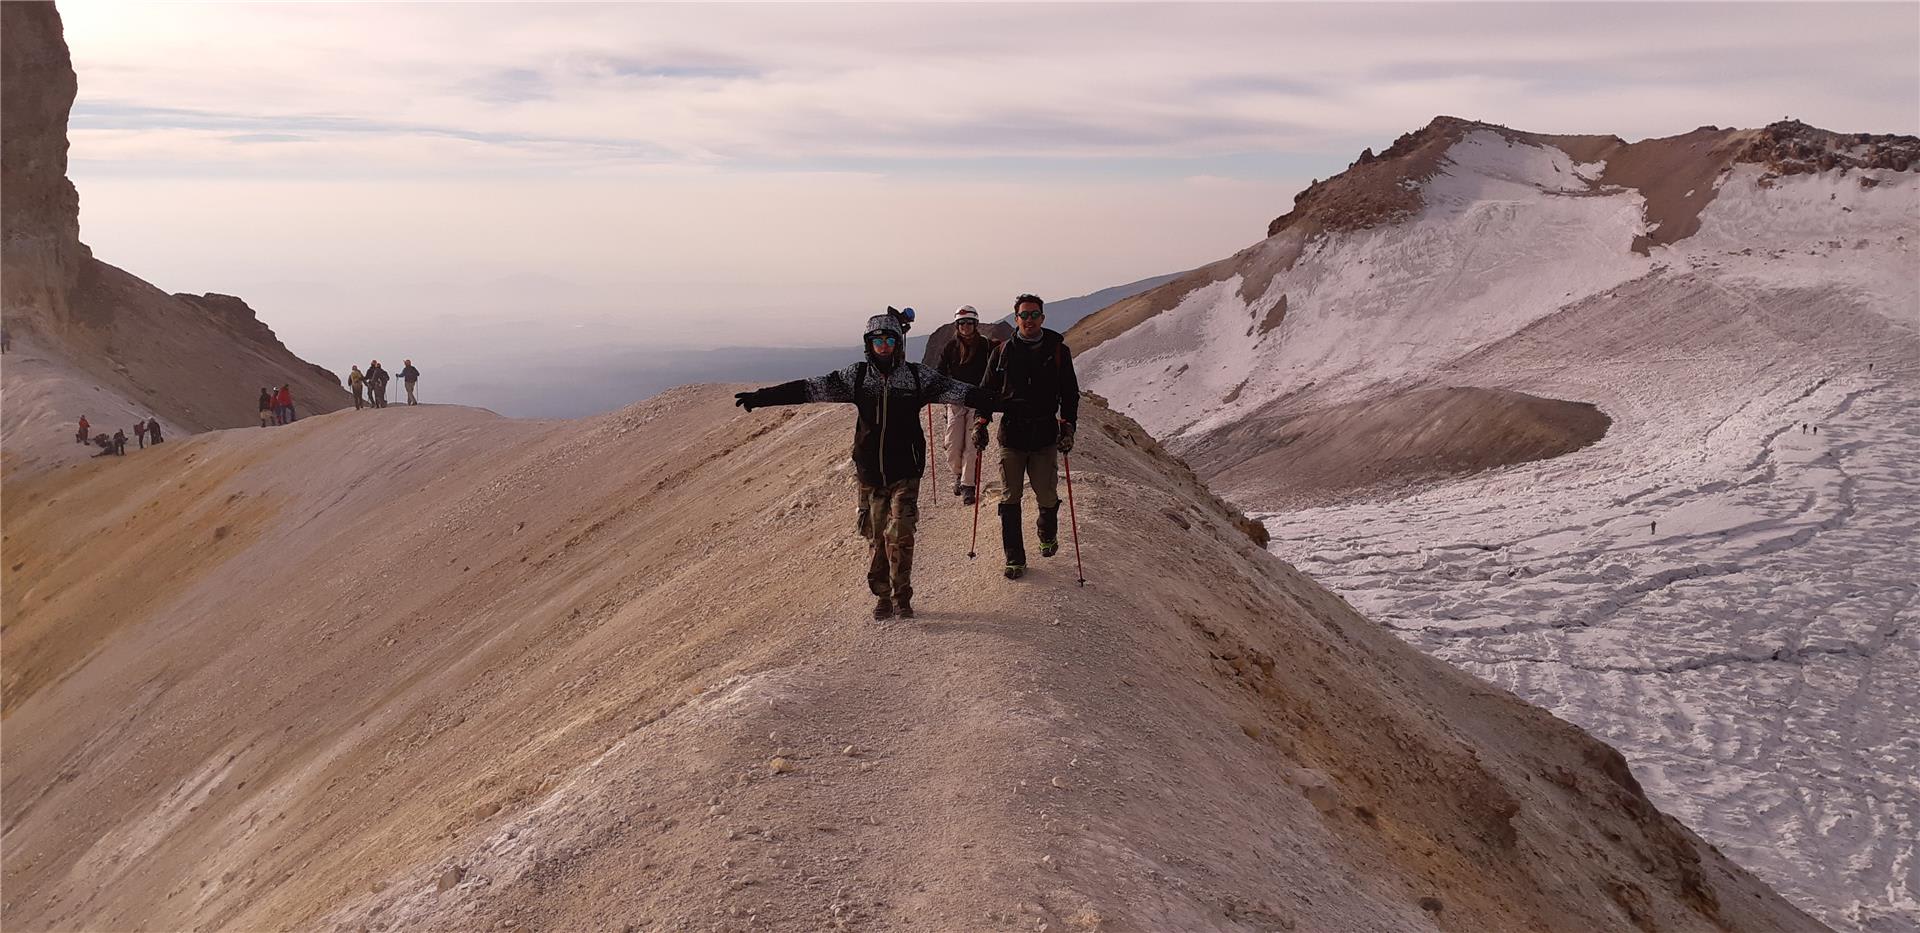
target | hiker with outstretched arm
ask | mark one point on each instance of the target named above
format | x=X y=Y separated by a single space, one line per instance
x=965 y=359
x=408 y=376
x=889 y=448
x=140 y=432
x=358 y=383
x=862 y=503
x=1031 y=373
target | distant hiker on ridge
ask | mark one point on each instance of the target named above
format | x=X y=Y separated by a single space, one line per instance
x=965 y=359
x=889 y=449
x=82 y=437
x=119 y=443
x=377 y=384
x=1032 y=372
x=140 y=431
x=358 y=383
x=153 y=431
x=409 y=375
x=266 y=406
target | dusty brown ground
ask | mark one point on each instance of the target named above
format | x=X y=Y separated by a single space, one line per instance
x=428 y=669
x=1290 y=457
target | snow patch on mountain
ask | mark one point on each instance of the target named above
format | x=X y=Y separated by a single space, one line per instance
x=1500 y=245
x=1713 y=587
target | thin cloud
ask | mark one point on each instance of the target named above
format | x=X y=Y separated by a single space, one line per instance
x=736 y=85
x=756 y=173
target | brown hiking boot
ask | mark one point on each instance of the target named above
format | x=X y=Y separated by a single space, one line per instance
x=903 y=608
x=883 y=610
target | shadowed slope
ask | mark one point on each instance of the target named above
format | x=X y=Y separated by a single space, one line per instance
x=1287 y=459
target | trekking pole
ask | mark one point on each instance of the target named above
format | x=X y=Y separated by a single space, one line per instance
x=979 y=490
x=933 y=469
x=1075 y=520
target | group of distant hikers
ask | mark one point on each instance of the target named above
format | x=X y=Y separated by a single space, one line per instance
x=115 y=444
x=370 y=387
x=276 y=406
x=1027 y=379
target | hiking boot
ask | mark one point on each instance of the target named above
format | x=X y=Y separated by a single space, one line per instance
x=883 y=610
x=967 y=495
x=1047 y=523
x=903 y=608
x=957 y=487
x=1010 y=539
x=1015 y=571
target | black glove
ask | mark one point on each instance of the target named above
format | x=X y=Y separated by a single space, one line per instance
x=1066 y=437
x=980 y=434
x=786 y=393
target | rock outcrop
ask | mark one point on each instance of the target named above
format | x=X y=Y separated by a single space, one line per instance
x=195 y=362
x=43 y=256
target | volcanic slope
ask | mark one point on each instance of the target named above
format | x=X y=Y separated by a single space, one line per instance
x=1720 y=591
x=430 y=669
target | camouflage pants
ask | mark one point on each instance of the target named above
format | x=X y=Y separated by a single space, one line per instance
x=891 y=514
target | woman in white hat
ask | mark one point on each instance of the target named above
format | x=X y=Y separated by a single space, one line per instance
x=965 y=359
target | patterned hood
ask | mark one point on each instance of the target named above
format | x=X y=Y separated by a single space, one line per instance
x=884 y=324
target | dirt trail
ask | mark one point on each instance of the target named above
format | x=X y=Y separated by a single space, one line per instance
x=446 y=671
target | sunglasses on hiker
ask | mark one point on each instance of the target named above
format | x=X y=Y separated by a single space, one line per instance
x=1029 y=315
x=887 y=339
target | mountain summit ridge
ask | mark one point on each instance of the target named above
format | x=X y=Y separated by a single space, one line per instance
x=619 y=673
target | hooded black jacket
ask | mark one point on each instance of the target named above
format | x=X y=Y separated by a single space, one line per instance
x=888 y=443
x=1032 y=381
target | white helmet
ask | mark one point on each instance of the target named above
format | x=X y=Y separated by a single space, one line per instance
x=965 y=314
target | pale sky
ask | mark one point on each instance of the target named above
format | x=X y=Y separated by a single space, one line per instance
x=485 y=179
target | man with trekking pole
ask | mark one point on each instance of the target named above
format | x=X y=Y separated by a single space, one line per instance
x=1031 y=375
x=889 y=448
